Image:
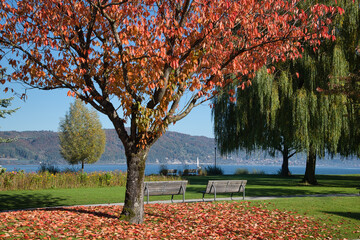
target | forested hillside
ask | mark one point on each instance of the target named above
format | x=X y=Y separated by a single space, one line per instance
x=33 y=147
x=44 y=146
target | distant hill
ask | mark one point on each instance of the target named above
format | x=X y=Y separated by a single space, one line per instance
x=172 y=146
x=36 y=146
x=33 y=147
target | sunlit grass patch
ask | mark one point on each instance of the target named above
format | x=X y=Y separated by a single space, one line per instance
x=341 y=214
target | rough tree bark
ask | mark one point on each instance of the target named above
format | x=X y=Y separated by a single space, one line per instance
x=133 y=209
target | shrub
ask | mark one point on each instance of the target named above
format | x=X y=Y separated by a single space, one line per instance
x=213 y=170
x=71 y=170
x=241 y=171
x=45 y=167
x=202 y=172
x=185 y=172
x=83 y=177
x=163 y=170
x=257 y=172
x=104 y=179
x=244 y=171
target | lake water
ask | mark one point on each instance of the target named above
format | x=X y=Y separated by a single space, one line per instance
x=227 y=169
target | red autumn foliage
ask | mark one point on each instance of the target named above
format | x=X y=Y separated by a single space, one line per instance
x=149 y=63
x=163 y=221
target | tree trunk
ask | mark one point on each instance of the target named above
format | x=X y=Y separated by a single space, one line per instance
x=133 y=210
x=285 y=172
x=82 y=166
x=309 y=177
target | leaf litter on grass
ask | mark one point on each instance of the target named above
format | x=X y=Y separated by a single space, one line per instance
x=203 y=220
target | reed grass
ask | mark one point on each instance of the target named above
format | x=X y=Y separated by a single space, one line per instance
x=19 y=180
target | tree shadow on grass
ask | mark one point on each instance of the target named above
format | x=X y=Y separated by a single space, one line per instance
x=83 y=211
x=253 y=179
x=267 y=191
x=27 y=200
x=353 y=215
x=347 y=181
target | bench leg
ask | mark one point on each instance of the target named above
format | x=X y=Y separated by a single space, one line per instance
x=244 y=194
x=215 y=195
x=231 y=196
x=183 y=197
x=172 y=197
x=203 y=197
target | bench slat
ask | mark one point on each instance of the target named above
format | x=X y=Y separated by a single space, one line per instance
x=225 y=186
x=159 y=192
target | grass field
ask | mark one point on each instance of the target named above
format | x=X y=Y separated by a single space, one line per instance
x=341 y=213
x=258 y=185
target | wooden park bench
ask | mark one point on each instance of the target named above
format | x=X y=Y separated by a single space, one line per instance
x=225 y=186
x=188 y=172
x=165 y=188
x=171 y=172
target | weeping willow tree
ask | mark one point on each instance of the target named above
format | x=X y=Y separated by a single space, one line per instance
x=261 y=118
x=349 y=43
x=350 y=140
x=318 y=119
x=334 y=127
x=283 y=111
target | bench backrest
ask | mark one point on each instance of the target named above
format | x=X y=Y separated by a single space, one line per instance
x=226 y=186
x=165 y=187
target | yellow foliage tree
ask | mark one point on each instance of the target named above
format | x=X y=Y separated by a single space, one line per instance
x=82 y=139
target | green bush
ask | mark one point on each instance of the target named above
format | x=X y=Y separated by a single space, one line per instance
x=258 y=172
x=105 y=179
x=241 y=171
x=202 y=172
x=244 y=171
x=185 y=172
x=163 y=170
x=213 y=170
x=45 y=167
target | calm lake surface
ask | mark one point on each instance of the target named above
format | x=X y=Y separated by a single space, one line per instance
x=155 y=168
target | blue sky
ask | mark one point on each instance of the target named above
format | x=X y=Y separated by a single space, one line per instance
x=43 y=110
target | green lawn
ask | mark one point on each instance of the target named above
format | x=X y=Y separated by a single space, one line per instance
x=343 y=213
x=258 y=185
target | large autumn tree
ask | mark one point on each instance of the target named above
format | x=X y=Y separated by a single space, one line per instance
x=135 y=60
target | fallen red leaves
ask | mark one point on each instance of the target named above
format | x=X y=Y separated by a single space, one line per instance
x=162 y=221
